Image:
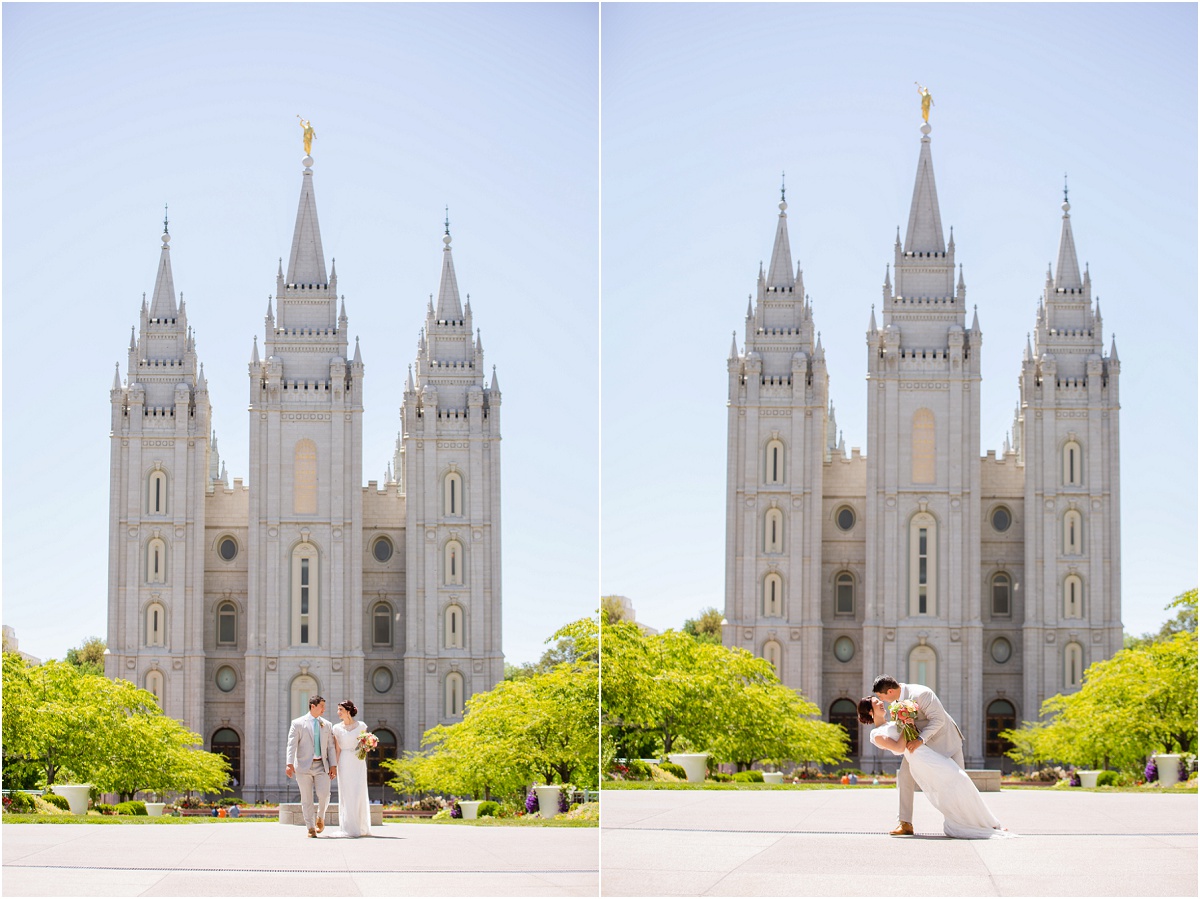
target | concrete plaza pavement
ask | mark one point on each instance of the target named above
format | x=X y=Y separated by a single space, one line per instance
x=247 y=858
x=834 y=843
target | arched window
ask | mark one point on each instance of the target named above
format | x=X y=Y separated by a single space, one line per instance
x=924 y=447
x=377 y=775
x=156 y=624
x=453 y=494
x=773 y=472
x=454 y=563
x=922 y=565
x=226 y=742
x=773 y=596
x=381 y=624
x=1072 y=666
x=154 y=683
x=845 y=713
x=1073 y=533
x=454 y=627
x=226 y=624
x=1001 y=595
x=156 y=561
x=303 y=687
x=304 y=478
x=156 y=494
x=922 y=666
x=773 y=653
x=454 y=695
x=1072 y=464
x=1001 y=716
x=773 y=531
x=1073 y=596
x=843 y=594
x=305 y=564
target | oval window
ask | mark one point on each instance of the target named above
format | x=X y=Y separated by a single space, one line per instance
x=381 y=680
x=845 y=518
x=1001 y=518
x=1001 y=650
x=843 y=649
x=228 y=549
x=226 y=679
x=382 y=549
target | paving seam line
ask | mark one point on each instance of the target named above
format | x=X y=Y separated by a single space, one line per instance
x=712 y=890
x=871 y=833
x=294 y=871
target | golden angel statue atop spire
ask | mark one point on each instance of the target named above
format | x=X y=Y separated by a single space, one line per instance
x=309 y=134
x=926 y=101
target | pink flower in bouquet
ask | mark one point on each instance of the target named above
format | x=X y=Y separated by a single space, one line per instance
x=366 y=743
x=904 y=712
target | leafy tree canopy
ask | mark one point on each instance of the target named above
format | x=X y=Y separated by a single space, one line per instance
x=88 y=657
x=707 y=627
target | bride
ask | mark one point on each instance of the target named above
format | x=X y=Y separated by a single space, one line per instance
x=948 y=787
x=354 y=814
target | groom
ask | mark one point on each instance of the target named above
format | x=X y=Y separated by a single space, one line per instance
x=312 y=760
x=937 y=731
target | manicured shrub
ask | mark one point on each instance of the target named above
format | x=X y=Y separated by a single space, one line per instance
x=230 y=800
x=672 y=768
x=748 y=777
x=1106 y=779
x=848 y=771
x=721 y=777
x=22 y=803
x=104 y=808
x=638 y=770
x=489 y=809
x=58 y=801
x=132 y=807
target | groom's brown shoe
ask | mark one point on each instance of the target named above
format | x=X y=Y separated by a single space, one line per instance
x=312 y=833
x=321 y=825
x=903 y=829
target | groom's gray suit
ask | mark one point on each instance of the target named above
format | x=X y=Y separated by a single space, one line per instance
x=938 y=731
x=311 y=770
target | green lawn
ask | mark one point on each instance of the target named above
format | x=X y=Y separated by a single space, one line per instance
x=11 y=818
x=713 y=785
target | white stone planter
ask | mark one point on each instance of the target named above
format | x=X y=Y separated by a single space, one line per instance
x=1168 y=769
x=155 y=809
x=548 y=800
x=771 y=777
x=470 y=808
x=77 y=796
x=1087 y=778
x=694 y=764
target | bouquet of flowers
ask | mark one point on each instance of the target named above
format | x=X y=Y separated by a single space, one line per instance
x=366 y=743
x=904 y=713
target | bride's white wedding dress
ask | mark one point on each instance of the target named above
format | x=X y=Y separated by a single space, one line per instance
x=354 y=812
x=949 y=789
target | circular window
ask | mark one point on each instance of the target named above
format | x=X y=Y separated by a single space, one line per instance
x=227 y=549
x=382 y=549
x=843 y=649
x=1001 y=650
x=845 y=518
x=381 y=680
x=226 y=678
x=1001 y=518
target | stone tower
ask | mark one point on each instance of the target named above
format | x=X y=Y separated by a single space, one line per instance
x=448 y=460
x=159 y=471
x=778 y=396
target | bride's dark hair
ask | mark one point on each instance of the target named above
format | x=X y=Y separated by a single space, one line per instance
x=866 y=711
x=350 y=707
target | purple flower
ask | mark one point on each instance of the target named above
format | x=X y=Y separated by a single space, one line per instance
x=1075 y=781
x=455 y=810
x=1151 y=771
x=565 y=806
x=531 y=802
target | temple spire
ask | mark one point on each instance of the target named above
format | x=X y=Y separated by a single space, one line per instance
x=162 y=306
x=924 y=217
x=780 y=276
x=449 y=307
x=306 y=265
x=1067 y=272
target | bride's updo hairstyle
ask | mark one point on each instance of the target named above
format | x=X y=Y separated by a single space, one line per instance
x=866 y=711
x=350 y=707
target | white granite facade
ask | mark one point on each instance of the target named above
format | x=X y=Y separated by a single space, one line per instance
x=995 y=579
x=235 y=603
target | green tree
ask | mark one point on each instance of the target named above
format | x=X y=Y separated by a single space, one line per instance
x=707 y=627
x=1183 y=621
x=88 y=657
x=1140 y=701
x=612 y=609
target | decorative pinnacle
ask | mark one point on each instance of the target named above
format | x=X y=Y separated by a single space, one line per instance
x=165 y=229
x=783 y=187
x=446 y=239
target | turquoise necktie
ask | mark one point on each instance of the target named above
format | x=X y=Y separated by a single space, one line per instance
x=316 y=739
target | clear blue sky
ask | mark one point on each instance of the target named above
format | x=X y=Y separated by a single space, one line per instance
x=109 y=111
x=704 y=105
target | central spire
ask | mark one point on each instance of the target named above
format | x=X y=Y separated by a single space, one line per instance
x=449 y=307
x=307 y=262
x=924 y=218
x=780 y=275
x=1066 y=275
x=162 y=307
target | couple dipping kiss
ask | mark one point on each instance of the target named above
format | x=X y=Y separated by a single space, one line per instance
x=933 y=759
x=317 y=753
